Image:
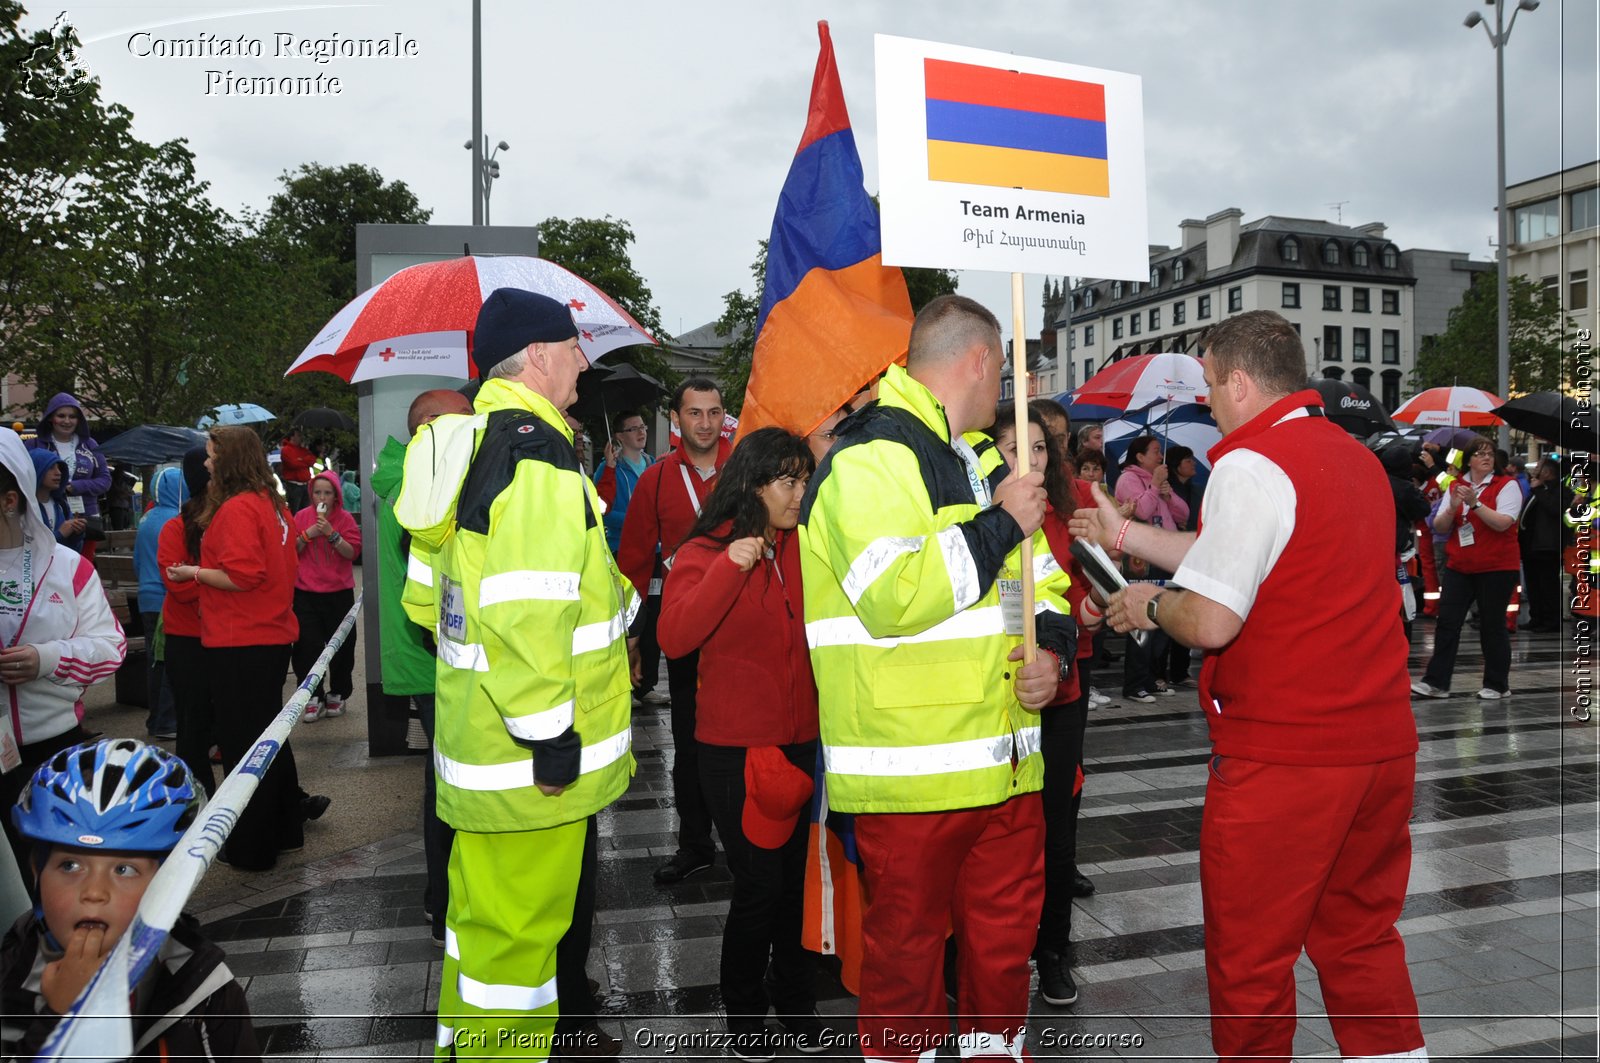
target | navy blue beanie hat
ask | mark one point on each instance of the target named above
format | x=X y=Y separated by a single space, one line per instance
x=510 y=319
x=196 y=477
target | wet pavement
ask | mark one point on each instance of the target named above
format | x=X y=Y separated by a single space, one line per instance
x=1500 y=925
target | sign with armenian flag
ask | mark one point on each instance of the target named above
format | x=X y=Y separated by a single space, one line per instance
x=1001 y=162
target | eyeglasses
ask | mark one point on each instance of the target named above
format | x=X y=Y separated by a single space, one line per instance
x=632 y=428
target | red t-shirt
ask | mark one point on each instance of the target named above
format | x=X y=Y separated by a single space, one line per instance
x=251 y=539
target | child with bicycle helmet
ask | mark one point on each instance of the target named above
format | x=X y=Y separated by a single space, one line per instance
x=101 y=817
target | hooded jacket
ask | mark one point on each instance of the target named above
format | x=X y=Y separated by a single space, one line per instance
x=322 y=569
x=1135 y=484
x=89 y=475
x=51 y=599
x=55 y=512
x=170 y=495
x=188 y=1007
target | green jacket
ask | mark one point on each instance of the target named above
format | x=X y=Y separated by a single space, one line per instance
x=407 y=663
x=532 y=616
x=901 y=551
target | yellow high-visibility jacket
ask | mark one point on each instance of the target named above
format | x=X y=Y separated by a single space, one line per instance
x=902 y=554
x=529 y=613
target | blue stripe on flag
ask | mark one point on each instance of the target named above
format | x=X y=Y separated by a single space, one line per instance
x=824 y=219
x=1003 y=127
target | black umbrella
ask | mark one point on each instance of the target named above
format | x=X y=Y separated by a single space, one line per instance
x=1410 y=435
x=1551 y=416
x=322 y=417
x=152 y=444
x=1352 y=407
x=608 y=389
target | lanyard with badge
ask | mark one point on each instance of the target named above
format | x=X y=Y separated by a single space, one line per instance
x=1010 y=588
x=1466 y=534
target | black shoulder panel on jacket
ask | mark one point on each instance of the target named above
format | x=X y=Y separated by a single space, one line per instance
x=944 y=474
x=512 y=436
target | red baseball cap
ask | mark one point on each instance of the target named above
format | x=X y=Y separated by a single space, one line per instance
x=775 y=793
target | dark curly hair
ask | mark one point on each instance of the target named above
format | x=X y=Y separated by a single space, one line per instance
x=760 y=458
x=1057 y=476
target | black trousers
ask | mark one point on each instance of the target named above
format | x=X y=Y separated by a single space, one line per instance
x=13 y=782
x=1142 y=665
x=1061 y=731
x=437 y=835
x=694 y=822
x=1541 y=578
x=767 y=909
x=1457 y=593
x=191 y=697
x=572 y=952
x=319 y=613
x=649 y=648
x=246 y=693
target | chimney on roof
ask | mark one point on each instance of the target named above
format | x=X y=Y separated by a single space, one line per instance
x=1222 y=239
x=1194 y=233
x=1374 y=229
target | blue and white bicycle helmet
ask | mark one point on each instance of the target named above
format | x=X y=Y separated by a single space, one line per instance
x=115 y=794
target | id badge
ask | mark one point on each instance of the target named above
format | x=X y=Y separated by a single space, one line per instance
x=655 y=587
x=1011 y=604
x=452 y=610
x=76 y=504
x=10 y=755
x=1465 y=535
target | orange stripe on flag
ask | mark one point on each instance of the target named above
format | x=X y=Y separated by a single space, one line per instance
x=837 y=331
x=980 y=164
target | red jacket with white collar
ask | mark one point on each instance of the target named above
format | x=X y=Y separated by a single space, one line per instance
x=756 y=687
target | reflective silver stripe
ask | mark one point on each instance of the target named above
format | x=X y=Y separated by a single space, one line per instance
x=1044 y=566
x=1028 y=742
x=518 y=774
x=598 y=636
x=451 y=948
x=974 y=754
x=525 y=584
x=875 y=560
x=1044 y=605
x=444 y=1036
x=540 y=726
x=959 y=564
x=606 y=751
x=632 y=613
x=850 y=631
x=492 y=997
x=418 y=570
x=467 y=656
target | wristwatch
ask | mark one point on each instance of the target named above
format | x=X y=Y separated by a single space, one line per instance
x=1065 y=666
x=1150 y=609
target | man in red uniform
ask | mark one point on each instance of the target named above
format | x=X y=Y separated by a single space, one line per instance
x=294 y=462
x=1305 y=840
x=662 y=510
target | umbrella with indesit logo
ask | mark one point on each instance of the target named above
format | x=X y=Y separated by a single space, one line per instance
x=234 y=413
x=1457 y=406
x=420 y=321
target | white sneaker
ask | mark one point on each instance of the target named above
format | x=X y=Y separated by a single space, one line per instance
x=655 y=697
x=334 y=707
x=313 y=711
x=1490 y=694
x=1424 y=689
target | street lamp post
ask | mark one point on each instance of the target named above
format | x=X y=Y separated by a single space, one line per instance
x=487 y=171
x=1497 y=40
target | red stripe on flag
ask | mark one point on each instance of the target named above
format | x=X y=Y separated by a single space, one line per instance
x=992 y=87
x=828 y=113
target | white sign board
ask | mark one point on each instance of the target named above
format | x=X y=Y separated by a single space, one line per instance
x=1001 y=162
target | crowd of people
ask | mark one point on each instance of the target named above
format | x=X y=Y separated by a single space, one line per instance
x=841 y=609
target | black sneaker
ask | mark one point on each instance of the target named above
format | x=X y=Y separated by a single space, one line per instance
x=312 y=806
x=804 y=1033
x=681 y=867
x=1055 y=978
x=749 y=1039
x=1080 y=885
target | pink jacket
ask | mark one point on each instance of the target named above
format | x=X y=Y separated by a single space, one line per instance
x=1136 y=485
x=321 y=568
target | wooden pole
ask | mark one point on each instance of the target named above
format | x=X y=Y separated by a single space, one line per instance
x=1019 y=378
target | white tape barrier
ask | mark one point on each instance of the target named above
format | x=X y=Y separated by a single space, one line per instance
x=99 y=1027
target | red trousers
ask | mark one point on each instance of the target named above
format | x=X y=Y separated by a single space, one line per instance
x=980 y=870
x=1312 y=857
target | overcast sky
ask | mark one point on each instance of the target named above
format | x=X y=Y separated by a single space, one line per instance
x=682 y=118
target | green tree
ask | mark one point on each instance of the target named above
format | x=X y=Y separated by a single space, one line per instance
x=320 y=207
x=1466 y=353
x=741 y=310
x=596 y=249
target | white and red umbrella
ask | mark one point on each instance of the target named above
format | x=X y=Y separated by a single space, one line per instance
x=420 y=320
x=1456 y=406
x=1134 y=383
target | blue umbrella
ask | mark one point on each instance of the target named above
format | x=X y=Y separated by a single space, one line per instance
x=236 y=413
x=1086 y=412
x=1176 y=424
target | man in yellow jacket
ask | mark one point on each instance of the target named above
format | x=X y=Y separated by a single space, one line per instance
x=910 y=537
x=534 y=692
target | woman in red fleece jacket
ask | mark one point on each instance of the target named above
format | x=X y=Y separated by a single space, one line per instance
x=733 y=593
x=247 y=626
